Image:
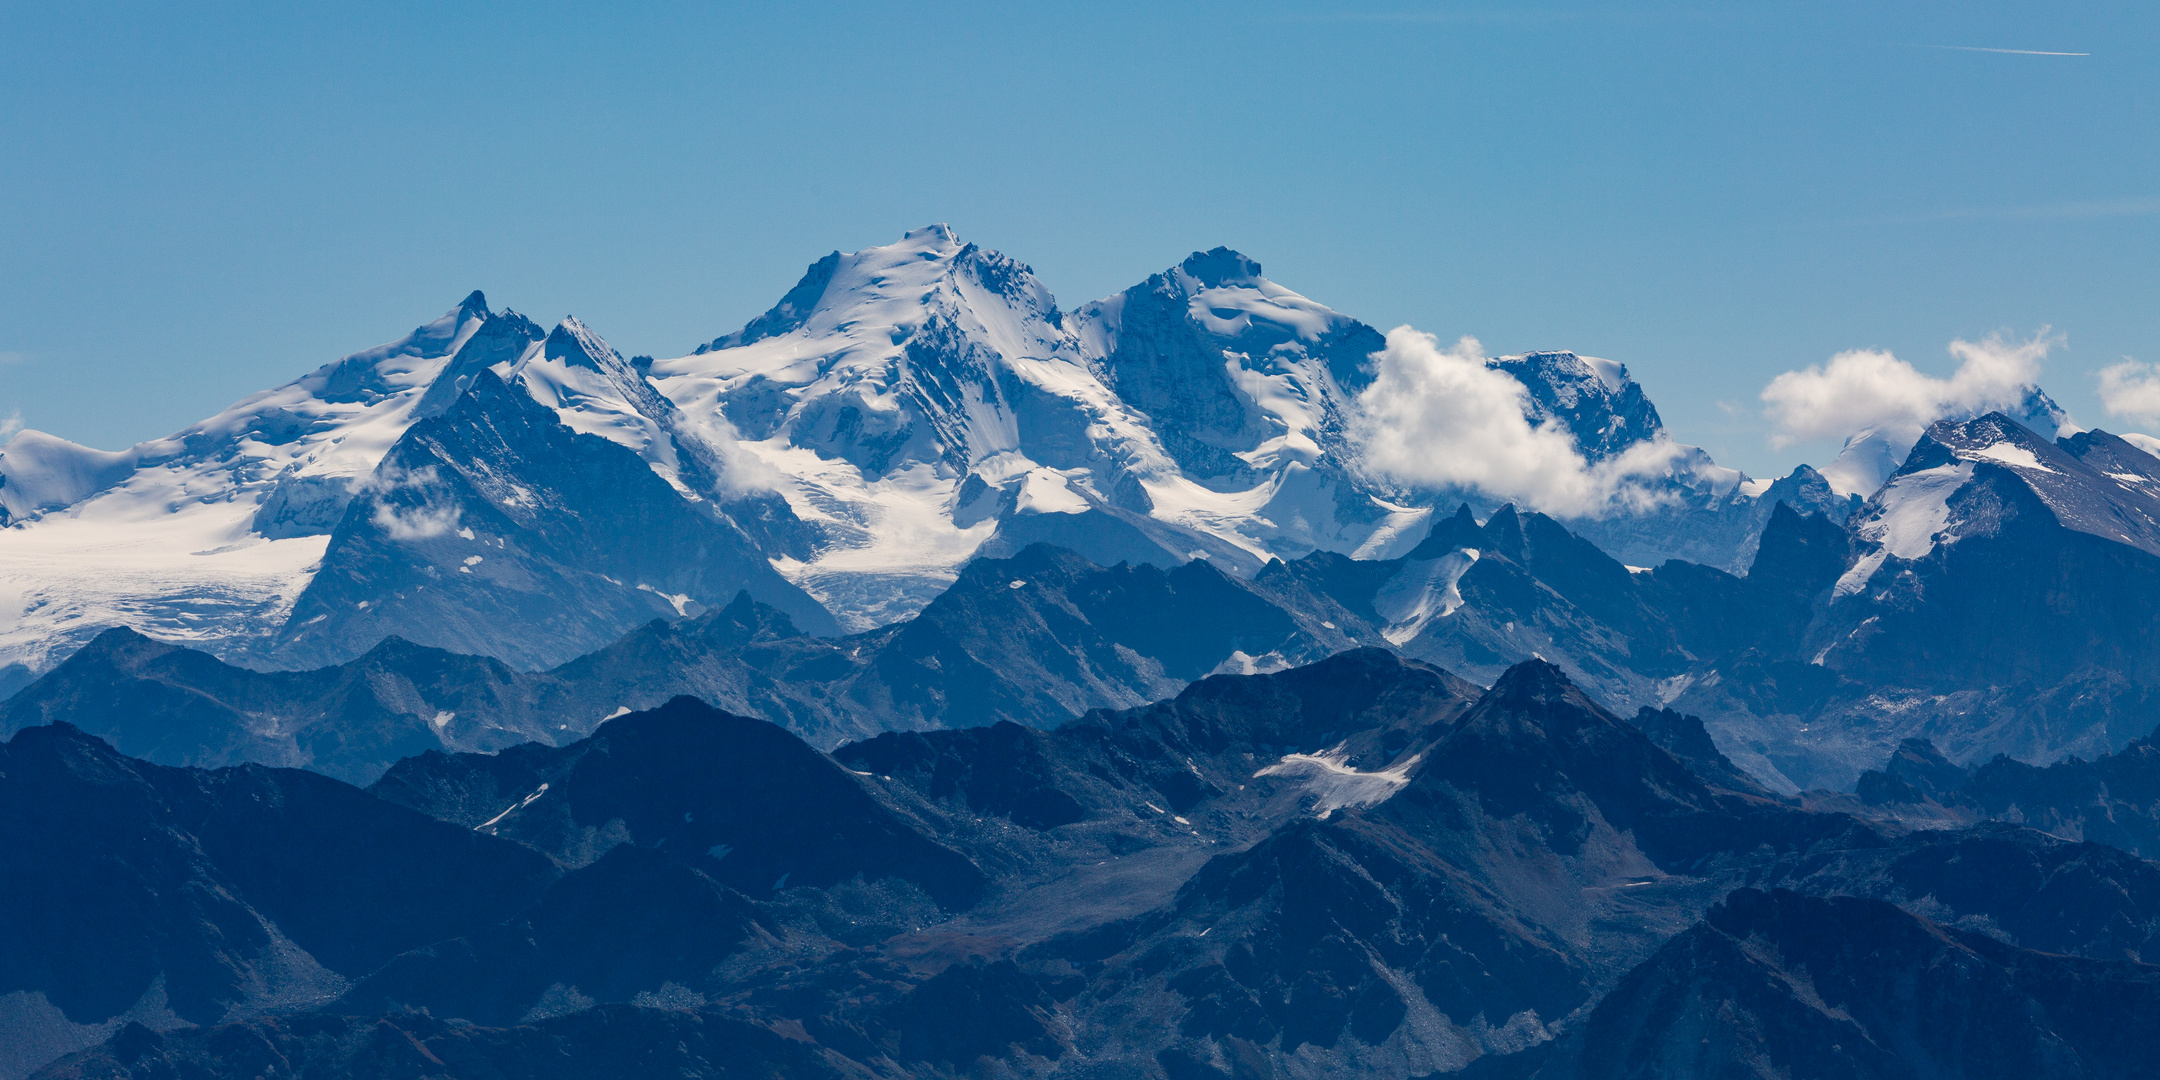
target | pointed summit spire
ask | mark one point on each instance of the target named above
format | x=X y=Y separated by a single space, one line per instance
x=575 y=344
x=1220 y=266
x=1536 y=679
x=1504 y=531
x=1459 y=531
x=500 y=339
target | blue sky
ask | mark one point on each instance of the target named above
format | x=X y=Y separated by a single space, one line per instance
x=196 y=205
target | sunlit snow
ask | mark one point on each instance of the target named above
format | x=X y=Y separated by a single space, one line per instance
x=1335 y=785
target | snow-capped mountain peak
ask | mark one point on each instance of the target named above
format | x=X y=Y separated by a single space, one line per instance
x=1871 y=456
x=500 y=341
x=1591 y=397
x=595 y=391
x=892 y=362
x=207 y=535
x=1970 y=479
x=892 y=391
x=1235 y=370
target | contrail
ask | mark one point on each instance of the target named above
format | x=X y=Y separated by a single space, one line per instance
x=2013 y=52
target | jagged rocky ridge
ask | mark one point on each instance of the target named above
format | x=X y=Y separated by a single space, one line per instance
x=2113 y=799
x=1780 y=984
x=1036 y=639
x=1044 y=636
x=1364 y=863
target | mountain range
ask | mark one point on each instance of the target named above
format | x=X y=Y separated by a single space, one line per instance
x=925 y=680
x=901 y=410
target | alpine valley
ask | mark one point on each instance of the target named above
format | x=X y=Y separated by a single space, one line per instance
x=926 y=680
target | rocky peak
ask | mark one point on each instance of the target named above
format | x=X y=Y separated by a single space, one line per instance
x=500 y=340
x=1451 y=533
x=1799 y=556
x=1593 y=399
x=1220 y=267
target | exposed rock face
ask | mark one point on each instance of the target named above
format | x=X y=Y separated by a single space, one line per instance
x=495 y=525
x=1994 y=555
x=1779 y=984
x=1996 y=598
x=176 y=896
x=2113 y=799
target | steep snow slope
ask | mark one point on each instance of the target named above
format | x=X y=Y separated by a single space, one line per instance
x=495 y=528
x=596 y=392
x=1249 y=386
x=907 y=397
x=40 y=472
x=206 y=536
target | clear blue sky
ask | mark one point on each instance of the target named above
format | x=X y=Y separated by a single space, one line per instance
x=198 y=204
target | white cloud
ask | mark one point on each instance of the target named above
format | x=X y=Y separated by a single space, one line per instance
x=390 y=476
x=408 y=523
x=9 y=426
x=426 y=522
x=2131 y=390
x=741 y=471
x=1868 y=390
x=1439 y=417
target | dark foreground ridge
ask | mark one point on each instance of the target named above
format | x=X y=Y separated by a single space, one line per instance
x=1364 y=864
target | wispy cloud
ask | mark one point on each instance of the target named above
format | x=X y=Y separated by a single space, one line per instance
x=391 y=485
x=9 y=425
x=1514 y=16
x=2007 y=52
x=10 y=357
x=2062 y=211
x=2131 y=390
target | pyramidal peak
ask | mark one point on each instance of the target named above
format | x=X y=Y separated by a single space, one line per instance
x=596 y=391
x=576 y=344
